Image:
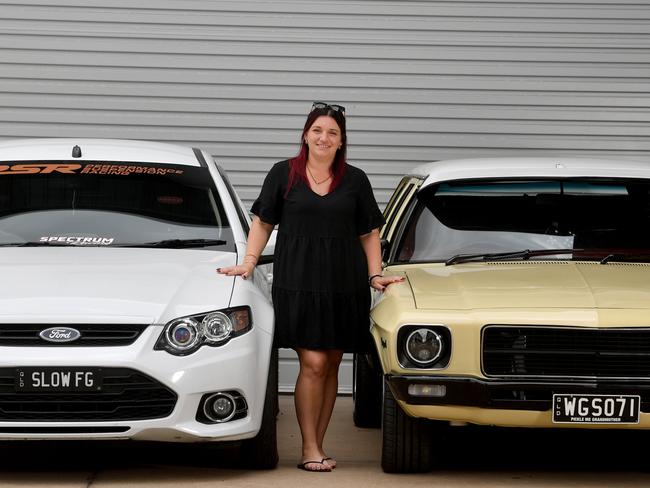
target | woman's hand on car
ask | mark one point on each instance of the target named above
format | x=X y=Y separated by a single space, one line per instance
x=381 y=282
x=244 y=270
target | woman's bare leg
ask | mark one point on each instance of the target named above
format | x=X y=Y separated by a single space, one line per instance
x=309 y=398
x=329 y=397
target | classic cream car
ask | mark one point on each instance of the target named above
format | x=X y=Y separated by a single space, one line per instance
x=526 y=302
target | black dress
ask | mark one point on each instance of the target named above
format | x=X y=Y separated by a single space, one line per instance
x=320 y=291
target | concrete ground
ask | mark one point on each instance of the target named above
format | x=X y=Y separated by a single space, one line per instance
x=504 y=459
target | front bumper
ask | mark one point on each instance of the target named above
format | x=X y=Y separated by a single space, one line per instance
x=241 y=365
x=508 y=403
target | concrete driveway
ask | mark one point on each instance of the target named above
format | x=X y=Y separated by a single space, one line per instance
x=477 y=459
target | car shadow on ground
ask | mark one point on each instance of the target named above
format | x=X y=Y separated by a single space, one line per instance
x=508 y=449
x=62 y=456
x=455 y=449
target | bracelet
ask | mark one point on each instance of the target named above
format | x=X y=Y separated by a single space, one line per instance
x=372 y=278
x=255 y=258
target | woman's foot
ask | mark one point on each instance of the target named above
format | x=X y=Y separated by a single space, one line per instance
x=330 y=461
x=315 y=466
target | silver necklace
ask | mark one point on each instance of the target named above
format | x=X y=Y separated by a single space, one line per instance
x=315 y=180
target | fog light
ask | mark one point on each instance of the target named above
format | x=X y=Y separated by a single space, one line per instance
x=219 y=407
x=423 y=346
x=427 y=390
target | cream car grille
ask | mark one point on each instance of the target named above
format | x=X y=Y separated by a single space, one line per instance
x=565 y=352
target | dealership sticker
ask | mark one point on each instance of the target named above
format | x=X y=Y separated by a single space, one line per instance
x=88 y=168
x=79 y=240
x=125 y=170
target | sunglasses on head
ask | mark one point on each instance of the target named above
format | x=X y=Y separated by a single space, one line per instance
x=336 y=108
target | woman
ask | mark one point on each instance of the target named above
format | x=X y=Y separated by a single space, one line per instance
x=326 y=254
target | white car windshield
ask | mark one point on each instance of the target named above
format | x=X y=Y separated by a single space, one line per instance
x=74 y=203
x=590 y=218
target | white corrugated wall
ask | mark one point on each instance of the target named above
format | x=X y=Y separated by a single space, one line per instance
x=421 y=80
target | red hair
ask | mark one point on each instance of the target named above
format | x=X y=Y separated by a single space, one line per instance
x=298 y=164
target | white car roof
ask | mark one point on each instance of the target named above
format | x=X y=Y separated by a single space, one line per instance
x=96 y=150
x=514 y=167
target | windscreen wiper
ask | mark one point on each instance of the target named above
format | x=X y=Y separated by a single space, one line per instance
x=504 y=256
x=31 y=244
x=167 y=243
x=625 y=256
x=178 y=243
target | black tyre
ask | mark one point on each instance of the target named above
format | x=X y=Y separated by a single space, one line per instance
x=261 y=452
x=406 y=441
x=366 y=391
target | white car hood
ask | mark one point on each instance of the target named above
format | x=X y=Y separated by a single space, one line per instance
x=118 y=285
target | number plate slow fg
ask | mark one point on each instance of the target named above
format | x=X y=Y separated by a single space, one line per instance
x=58 y=379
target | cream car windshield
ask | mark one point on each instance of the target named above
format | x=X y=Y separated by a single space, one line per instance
x=573 y=218
x=112 y=204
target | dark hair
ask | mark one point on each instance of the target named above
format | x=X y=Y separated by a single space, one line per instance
x=298 y=164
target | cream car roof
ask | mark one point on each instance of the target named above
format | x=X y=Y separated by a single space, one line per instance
x=96 y=150
x=459 y=169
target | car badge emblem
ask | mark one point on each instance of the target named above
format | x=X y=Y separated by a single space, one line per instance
x=60 y=334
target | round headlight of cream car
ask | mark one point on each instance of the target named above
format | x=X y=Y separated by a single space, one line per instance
x=423 y=346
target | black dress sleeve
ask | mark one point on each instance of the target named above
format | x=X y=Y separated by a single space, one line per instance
x=368 y=215
x=268 y=206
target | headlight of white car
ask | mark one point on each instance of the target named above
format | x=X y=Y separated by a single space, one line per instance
x=185 y=335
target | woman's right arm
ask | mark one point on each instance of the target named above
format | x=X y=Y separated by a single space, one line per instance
x=258 y=236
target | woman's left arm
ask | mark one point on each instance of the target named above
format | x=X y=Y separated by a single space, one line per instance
x=372 y=247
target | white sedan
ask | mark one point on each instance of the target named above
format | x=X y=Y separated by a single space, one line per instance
x=114 y=322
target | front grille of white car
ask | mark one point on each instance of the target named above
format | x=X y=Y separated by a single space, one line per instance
x=126 y=394
x=27 y=335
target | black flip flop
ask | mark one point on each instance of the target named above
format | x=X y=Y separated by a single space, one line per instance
x=304 y=467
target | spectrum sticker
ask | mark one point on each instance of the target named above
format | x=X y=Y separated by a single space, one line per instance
x=79 y=240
